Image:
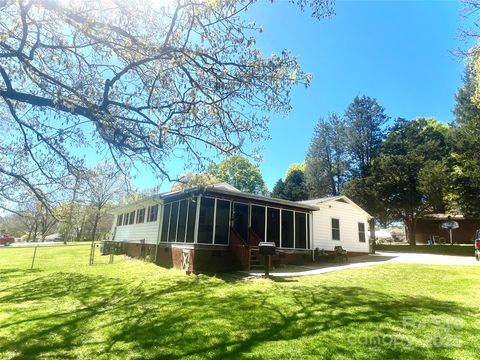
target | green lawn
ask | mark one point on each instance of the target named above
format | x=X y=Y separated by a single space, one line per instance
x=457 y=250
x=65 y=309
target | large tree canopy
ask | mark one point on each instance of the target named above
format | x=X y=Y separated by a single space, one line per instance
x=326 y=162
x=240 y=173
x=138 y=80
x=400 y=174
x=466 y=135
x=294 y=188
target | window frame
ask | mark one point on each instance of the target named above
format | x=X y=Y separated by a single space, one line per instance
x=140 y=213
x=149 y=216
x=281 y=228
x=131 y=217
x=362 y=232
x=228 y=223
x=307 y=232
x=337 y=229
x=213 y=222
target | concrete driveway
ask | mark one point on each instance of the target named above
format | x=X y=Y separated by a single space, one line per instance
x=381 y=257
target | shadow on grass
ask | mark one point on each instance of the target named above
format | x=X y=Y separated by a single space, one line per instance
x=73 y=315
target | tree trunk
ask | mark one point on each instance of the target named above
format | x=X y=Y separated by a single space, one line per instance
x=35 y=232
x=82 y=228
x=410 y=226
x=371 y=239
x=95 y=224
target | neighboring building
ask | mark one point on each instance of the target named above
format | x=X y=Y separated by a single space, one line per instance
x=339 y=221
x=218 y=228
x=429 y=227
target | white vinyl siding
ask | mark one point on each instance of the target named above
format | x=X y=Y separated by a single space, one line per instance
x=136 y=232
x=349 y=216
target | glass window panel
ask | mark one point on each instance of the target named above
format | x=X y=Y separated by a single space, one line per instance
x=258 y=221
x=273 y=226
x=131 y=218
x=300 y=230
x=172 y=233
x=140 y=216
x=205 y=221
x=240 y=220
x=192 y=212
x=125 y=219
x=287 y=229
x=119 y=219
x=361 y=232
x=335 y=229
x=153 y=213
x=166 y=219
x=182 y=221
x=222 y=222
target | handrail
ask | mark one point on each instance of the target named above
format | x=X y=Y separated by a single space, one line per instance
x=238 y=237
x=240 y=248
x=252 y=235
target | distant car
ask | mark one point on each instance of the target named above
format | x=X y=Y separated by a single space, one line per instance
x=6 y=239
x=477 y=245
x=54 y=237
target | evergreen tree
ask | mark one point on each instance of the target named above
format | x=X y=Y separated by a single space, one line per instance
x=326 y=163
x=466 y=142
x=366 y=121
x=293 y=188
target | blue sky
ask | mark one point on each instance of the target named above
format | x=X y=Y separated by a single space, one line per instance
x=397 y=52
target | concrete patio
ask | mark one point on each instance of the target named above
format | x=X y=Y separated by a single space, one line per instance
x=370 y=260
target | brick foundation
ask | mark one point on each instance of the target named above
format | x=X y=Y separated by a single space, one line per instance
x=205 y=258
x=210 y=258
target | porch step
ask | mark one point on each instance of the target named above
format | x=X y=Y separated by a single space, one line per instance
x=255 y=261
x=257 y=267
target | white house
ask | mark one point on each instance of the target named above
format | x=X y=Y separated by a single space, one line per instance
x=219 y=228
x=138 y=221
x=340 y=222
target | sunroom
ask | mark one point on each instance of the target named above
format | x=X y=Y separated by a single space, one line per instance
x=219 y=228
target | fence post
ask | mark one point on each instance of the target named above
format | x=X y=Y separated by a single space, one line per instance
x=33 y=259
x=92 y=253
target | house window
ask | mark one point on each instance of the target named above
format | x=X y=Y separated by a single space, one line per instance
x=300 y=230
x=172 y=233
x=287 y=229
x=131 y=218
x=125 y=219
x=165 y=222
x=192 y=216
x=222 y=222
x=258 y=221
x=119 y=220
x=273 y=226
x=205 y=220
x=240 y=220
x=335 y=229
x=152 y=213
x=182 y=220
x=361 y=232
x=140 y=216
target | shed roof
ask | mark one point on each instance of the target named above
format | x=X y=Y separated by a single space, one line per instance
x=441 y=216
